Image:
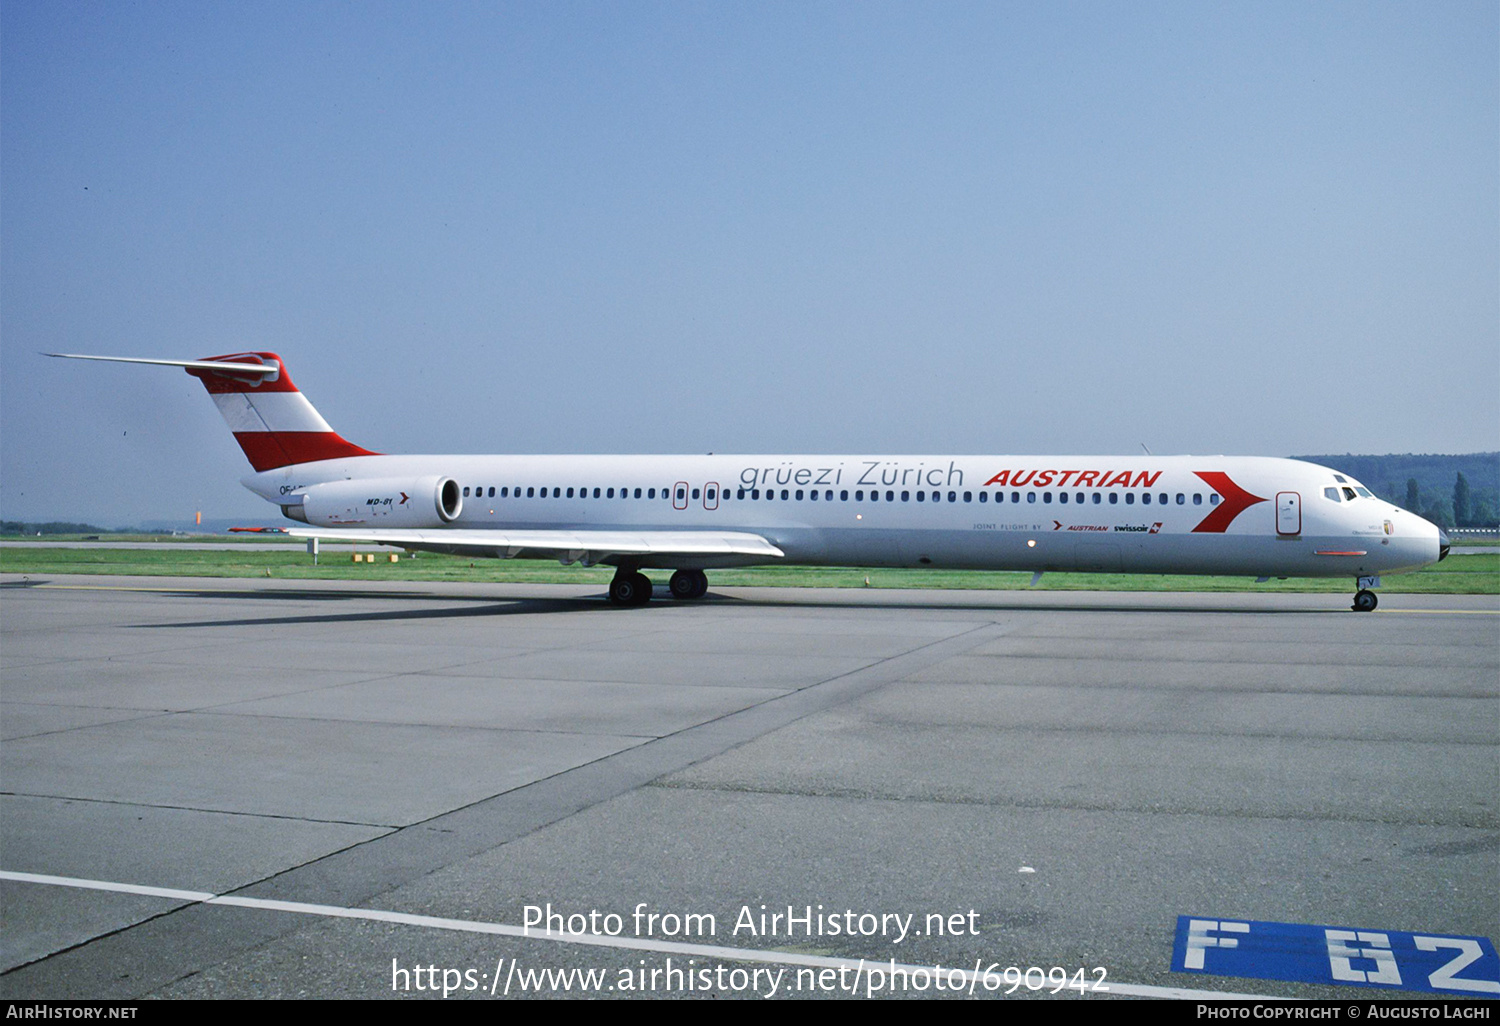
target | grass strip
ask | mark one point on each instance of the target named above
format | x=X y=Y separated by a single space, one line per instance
x=1457 y=575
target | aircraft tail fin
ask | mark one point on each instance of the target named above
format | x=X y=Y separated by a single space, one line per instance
x=273 y=422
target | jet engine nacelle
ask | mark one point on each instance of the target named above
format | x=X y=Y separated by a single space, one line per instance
x=380 y=502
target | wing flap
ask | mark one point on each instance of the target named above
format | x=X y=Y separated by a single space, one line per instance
x=568 y=546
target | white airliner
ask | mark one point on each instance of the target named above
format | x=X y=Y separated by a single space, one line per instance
x=1255 y=516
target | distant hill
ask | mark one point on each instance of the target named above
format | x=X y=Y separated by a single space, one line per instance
x=178 y=526
x=1387 y=477
x=51 y=527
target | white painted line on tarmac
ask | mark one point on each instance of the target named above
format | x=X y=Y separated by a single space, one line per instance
x=592 y=940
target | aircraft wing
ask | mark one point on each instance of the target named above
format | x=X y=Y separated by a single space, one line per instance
x=567 y=546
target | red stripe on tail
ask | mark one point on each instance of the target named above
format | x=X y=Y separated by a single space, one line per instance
x=267 y=450
x=219 y=383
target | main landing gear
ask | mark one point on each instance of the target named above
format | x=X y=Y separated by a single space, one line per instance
x=688 y=584
x=633 y=588
x=630 y=588
x=1364 y=599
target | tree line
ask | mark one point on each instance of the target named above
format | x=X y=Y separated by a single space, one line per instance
x=1465 y=509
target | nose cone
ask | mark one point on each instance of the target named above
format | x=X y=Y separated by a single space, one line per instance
x=1443 y=544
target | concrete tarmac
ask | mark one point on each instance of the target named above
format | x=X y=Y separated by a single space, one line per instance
x=383 y=777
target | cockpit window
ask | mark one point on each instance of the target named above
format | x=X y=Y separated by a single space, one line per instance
x=1349 y=493
x=1361 y=489
x=1332 y=493
x=1340 y=478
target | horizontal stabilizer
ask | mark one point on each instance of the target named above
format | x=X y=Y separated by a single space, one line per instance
x=265 y=369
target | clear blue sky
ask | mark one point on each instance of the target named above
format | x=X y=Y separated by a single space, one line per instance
x=929 y=227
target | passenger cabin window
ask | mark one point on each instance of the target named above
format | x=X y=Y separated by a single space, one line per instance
x=1213 y=500
x=466 y=491
x=1114 y=498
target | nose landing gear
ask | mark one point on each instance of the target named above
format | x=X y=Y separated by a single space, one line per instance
x=1365 y=600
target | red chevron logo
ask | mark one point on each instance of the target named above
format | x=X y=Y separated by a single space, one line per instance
x=1236 y=501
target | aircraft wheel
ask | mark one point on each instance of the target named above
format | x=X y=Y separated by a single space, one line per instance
x=1365 y=601
x=630 y=589
x=688 y=584
x=622 y=590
